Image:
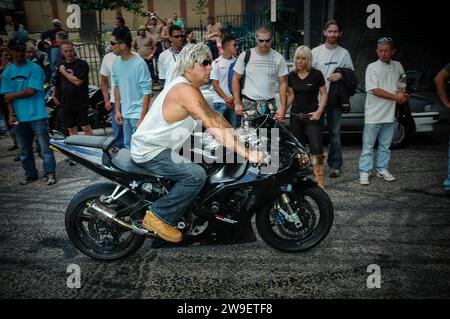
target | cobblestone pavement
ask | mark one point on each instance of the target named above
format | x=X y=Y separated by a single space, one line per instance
x=402 y=226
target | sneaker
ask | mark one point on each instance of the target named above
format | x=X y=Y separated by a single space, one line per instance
x=28 y=180
x=386 y=175
x=163 y=230
x=51 y=178
x=335 y=173
x=364 y=179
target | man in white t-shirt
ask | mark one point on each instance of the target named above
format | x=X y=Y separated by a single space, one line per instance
x=265 y=72
x=383 y=94
x=326 y=58
x=108 y=95
x=169 y=57
x=223 y=99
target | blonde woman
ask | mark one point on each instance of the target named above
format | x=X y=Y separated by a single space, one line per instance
x=304 y=85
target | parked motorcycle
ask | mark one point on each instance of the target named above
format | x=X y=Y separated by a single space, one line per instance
x=292 y=214
x=97 y=114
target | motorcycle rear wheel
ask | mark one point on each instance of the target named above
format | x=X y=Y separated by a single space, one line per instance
x=92 y=236
x=315 y=211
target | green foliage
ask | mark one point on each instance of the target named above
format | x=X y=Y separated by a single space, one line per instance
x=200 y=7
x=285 y=25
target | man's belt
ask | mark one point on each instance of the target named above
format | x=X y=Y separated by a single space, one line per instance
x=247 y=98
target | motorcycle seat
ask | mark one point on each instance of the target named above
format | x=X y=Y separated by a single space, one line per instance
x=103 y=142
x=123 y=161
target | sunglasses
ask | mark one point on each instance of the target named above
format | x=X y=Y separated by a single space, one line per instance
x=262 y=40
x=113 y=43
x=205 y=62
x=384 y=39
x=178 y=36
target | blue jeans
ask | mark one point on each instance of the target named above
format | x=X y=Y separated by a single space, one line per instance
x=384 y=132
x=129 y=127
x=25 y=131
x=228 y=114
x=189 y=179
x=447 y=181
x=334 y=116
x=117 y=129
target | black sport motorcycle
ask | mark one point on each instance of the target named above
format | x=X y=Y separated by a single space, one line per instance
x=98 y=116
x=292 y=214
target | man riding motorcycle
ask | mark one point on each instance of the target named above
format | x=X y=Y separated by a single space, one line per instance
x=168 y=124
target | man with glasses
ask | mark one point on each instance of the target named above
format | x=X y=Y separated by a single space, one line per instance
x=168 y=58
x=327 y=58
x=132 y=85
x=174 y=114
x=265 y=71
x=383 y=94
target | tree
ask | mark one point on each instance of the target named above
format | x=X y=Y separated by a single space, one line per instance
x=199 y=9
x=99 y=5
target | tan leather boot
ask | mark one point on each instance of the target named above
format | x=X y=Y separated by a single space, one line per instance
x=318 y=162
x=163 y=230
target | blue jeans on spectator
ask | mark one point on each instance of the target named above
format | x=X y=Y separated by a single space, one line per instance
x=334 y=116
x=228 y=114
x=117 y=129
x=447 y=181
x=129 y=127
x=189 y=179
x=384 y=132
x=25 y=132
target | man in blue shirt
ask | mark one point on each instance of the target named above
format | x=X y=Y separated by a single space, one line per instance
x=132 y=80
x=23 y=88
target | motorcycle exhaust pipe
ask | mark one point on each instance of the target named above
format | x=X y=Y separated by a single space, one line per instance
x=108 y=216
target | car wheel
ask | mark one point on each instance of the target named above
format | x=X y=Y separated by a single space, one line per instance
x=402 y=134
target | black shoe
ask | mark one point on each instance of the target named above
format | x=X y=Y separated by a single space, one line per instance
x=50 y=178
x=28 y=180
x=17 y=158
x=72 y=163
x=12 y=148
x=335 y=173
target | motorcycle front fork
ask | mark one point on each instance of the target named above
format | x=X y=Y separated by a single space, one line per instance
x=290 y=215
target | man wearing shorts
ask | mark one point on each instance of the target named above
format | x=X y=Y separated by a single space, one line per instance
x=72 y=90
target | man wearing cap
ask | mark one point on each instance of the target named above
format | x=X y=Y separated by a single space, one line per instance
x=23 y=88
x=145 y=46
x=51 y=34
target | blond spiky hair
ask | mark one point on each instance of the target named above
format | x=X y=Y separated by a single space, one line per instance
x=191 y=54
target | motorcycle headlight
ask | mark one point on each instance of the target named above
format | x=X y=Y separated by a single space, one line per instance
x=303 y=160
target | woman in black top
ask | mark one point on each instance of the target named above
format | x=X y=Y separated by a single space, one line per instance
x=304 y=85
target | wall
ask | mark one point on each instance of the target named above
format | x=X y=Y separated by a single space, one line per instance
x=39 y=12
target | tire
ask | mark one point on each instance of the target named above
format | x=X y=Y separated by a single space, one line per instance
x=403 y=133
x=275 y=233
x=83 y=237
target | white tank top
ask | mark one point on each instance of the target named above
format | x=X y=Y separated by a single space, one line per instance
x=154 y=134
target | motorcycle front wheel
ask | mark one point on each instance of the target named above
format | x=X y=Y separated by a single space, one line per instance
x=302 y=228
x=94 y=237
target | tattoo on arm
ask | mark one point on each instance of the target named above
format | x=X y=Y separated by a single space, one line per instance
x=217 y=120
